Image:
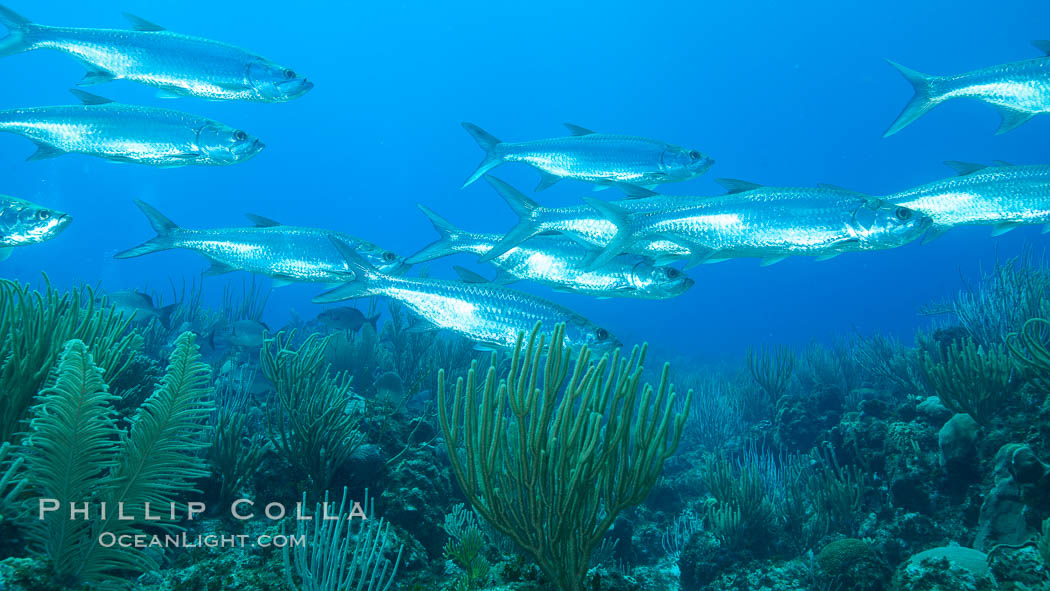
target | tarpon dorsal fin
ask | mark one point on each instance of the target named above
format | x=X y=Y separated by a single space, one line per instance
x=577 y=130
x=262 y=222
x=737 y=186
x=964 y=168
x=88 y=98
x=141 y=24
x=1042 y=45
x=840 y=189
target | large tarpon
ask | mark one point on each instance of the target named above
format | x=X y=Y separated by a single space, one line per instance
x=178 y=65
x=771 y=223
x=22 y=223
x=632 y=163
x=489 y=315
x=128 y=133
x=286 y=253
x=1003 y=195
x=558 y=262
x=1019 y=90
x=582 y=223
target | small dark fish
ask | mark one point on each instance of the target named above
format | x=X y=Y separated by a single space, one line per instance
x=244 y=334
x=22 y=223
x=140 y=306
x=346 y=318
x=389 y=385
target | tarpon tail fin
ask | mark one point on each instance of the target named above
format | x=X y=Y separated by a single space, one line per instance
x=448 y=236
x=164 y=228
x=19 y=32
x=363 y=284
x=524 y=207
x=925 y=98
x=490 y=144
x=624 y=234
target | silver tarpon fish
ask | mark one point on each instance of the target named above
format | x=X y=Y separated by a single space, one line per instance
x=286 y=253
x=558 y=262
x=632 y=163
x=22 y=223
x=1019 y=90
x=770 y=223
x=128 y=133
x=178 y=65
x=581 y=223
x=489 y=315
x=1002 y=195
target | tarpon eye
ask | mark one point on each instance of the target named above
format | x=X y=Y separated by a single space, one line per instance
x=602 y=334
x=672 y=273
x=389 y=256
x=694 y=155
x=903 y=214
x=240 y=136
x=43 y=214
x=289 y=74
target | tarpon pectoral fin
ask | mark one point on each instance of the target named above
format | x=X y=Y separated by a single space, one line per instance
x=45 y=151
x=547 y=180
x=94 y=77
x=468 y=276
x=1046 y=228
x=281 y=282
x=964 y=168
x=767 y=261
x=829 y=256
x=141 y=24
x=5 y=253
x=933 y=234
x=635 y=191
x=1002 y=163
x=577 y=130
x=1011 y=119
x=699 y=253
x=737 y=186
x=170 y=93
x=1001 y=229
x=262 y=222
x=218 y=268
x=88 y=98
x=1042 y=45
x=504 y=278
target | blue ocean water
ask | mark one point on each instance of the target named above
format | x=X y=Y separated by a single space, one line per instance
x=776 y=93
